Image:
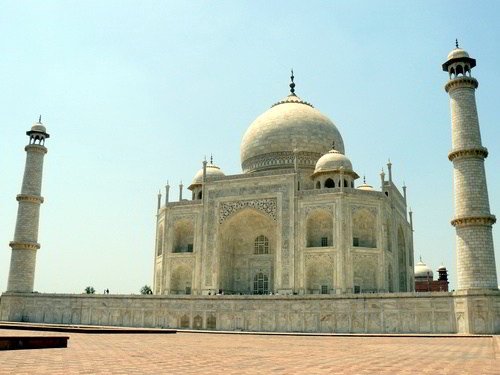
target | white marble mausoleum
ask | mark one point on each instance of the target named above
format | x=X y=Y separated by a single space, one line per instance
x=295 y=221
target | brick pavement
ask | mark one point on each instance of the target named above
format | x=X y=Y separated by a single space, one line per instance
x=195 y=353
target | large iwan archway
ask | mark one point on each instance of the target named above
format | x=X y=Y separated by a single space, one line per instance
x=247 y=251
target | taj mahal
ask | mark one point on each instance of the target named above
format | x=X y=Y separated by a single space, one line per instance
x=298 y=242
x=295 y=221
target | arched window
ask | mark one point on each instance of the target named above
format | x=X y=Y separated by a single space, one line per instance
x=345 y=183
x=200 y=195
x=452 y=72
x=318 y=185
x=329 y=183
x=460 y=70
x=260 y=284
x=261 y=245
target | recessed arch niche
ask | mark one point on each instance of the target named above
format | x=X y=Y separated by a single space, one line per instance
x=239 y=262
x=319 y=228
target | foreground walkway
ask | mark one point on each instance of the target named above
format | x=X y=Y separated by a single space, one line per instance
x=197 y=353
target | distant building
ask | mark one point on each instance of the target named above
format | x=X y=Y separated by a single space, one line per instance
x=424 y=278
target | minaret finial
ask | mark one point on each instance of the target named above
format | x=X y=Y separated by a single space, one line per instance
x=292 y=84
x=456 y=43
x=40 y=119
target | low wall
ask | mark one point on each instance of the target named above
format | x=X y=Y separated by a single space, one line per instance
x=360 y=313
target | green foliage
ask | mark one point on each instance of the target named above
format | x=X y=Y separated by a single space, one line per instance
x=90 y=290
x=146 y=289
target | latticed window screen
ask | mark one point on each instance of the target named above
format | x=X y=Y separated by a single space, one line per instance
x=260 y=284
x=261 y=245
x=324 y=241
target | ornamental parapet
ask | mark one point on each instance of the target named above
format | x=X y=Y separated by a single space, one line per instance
x=24 y=245
x=461 y=82
x=29 y=198
x=253 y=174
x=36 y=148
x=476 y=152
x=467 y=221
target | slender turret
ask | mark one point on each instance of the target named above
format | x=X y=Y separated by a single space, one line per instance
x=472 y=221
x=25 y=245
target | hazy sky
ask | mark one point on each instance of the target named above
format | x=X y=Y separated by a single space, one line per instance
x=135 y=93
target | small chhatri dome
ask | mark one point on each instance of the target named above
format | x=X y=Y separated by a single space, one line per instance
x=333 y=161
x=458 y=55
x=290 y=124
x=365 y=186
x=423 y=271
x=38 y=126
x=38 y=133
x=212 y=171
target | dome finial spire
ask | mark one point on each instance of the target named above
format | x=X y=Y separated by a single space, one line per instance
x=333 y=145
x=40 y=119
x=456 y=43
x=292 y=84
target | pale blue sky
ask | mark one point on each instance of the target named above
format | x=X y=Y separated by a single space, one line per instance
x=136 y=92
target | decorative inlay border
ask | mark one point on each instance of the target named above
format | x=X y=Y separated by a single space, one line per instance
x=280 y=160
x=321 y=257
x=481 y=152
x=373 y=210
x=176 y=261
x=21 y=245
x=29 y=198
x=328 y=207
x=474 y=220
x=268 y=206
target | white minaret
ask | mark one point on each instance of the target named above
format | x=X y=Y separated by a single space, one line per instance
x=473 y=220
x=25 y=245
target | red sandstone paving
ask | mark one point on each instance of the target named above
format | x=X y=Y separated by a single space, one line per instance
x=194 y=353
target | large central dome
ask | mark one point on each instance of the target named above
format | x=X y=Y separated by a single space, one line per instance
x=291 y=127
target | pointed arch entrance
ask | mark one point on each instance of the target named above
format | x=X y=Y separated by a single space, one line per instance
x=247 y=253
